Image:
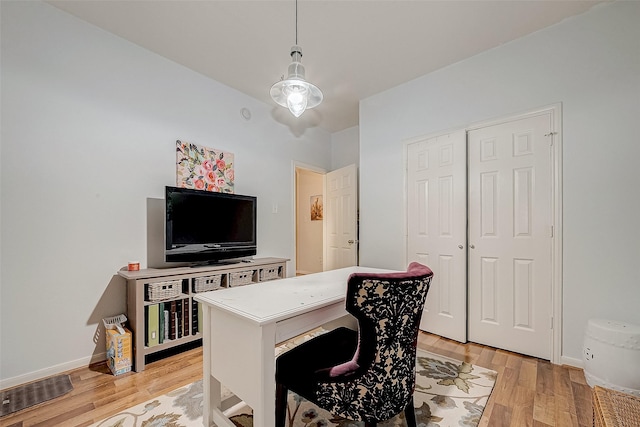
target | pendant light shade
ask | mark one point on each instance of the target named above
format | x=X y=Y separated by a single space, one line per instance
x=294 y=92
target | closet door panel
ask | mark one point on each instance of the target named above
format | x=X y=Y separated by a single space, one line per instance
x=510 y=215
x=436 y=228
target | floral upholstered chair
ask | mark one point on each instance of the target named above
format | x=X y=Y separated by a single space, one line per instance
x=368 y=375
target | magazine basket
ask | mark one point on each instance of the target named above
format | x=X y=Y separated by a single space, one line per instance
x=614 y=408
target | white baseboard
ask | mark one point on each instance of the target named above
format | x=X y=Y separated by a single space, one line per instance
x=576 y=363
x=51 y=371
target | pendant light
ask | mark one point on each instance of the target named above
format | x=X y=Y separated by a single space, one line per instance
x=294 y=92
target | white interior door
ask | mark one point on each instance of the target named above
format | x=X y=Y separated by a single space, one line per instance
x=341 y=218
x=510 y=235
x=437 y=228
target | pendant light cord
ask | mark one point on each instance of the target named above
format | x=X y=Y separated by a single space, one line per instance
x=296 y=22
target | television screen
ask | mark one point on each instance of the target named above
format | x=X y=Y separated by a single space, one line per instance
x=203 y=226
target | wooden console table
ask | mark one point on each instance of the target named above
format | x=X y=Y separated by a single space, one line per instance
x=182 y=284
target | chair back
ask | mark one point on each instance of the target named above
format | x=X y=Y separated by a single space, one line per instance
x=381 y=376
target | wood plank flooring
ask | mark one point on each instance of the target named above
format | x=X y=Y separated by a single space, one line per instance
x=528 y=392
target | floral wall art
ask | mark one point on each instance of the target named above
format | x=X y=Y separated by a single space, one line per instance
x=203 y=168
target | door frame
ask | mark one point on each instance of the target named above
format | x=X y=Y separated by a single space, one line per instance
x=294 y=195
x=556 y=201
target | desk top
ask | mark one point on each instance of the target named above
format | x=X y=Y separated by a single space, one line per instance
x=268 y=302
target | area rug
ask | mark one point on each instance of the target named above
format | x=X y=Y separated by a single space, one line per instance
x=448 y=393
x=25 y=396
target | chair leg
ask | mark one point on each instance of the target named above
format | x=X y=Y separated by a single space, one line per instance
x=410 y=414
x=281 y=405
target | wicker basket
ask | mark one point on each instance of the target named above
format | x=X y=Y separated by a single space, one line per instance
x=269 y=273
x=207 y=283
x=615 y=409
x=241 y=278
x=163 y=290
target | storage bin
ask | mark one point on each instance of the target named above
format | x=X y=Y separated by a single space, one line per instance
x=163 y=290
x=614 y=409
x=269 y=274
x=612 y=355
x=207 y=283
x=241 y=278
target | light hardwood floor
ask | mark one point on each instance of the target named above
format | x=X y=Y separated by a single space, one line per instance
x=528 y=392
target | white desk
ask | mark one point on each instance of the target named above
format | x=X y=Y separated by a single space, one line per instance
x=243 y=325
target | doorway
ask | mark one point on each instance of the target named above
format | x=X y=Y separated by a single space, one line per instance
x=326 y=218
x=309 y=219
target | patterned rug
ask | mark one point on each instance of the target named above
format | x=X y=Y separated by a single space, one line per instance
x=448 y=393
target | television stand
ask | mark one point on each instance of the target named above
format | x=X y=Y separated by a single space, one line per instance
x=153 y=291
x=214 y=263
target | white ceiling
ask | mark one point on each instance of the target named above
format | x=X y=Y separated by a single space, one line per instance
x=351 y=49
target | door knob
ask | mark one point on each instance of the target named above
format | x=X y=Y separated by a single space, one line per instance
x=351 y=242
x=472 y=246
x=460 y=246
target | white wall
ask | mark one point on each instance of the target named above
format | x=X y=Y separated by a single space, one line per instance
x=89 y=124
x=345 y=148
x=590 y=63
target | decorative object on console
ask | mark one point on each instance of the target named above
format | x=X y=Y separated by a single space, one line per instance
x=204 y=168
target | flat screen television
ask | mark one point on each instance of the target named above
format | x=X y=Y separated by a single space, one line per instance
x=207 y=227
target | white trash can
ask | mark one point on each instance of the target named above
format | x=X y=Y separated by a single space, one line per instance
x=612 y=355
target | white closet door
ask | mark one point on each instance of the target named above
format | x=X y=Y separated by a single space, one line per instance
x=510 y=217
x=437 y=228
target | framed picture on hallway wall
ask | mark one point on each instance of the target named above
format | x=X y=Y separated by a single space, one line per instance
x=316 y=208
x=204 y=168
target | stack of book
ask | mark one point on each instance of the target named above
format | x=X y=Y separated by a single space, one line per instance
x=170 y=320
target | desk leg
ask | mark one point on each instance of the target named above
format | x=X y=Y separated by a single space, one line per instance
x=208 y=384
x=211 y=387
x=264 y=414
x=242 y=358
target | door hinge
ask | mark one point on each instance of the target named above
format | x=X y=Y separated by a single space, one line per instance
x=551 y=322
x=551 y=231
x=551 y=140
